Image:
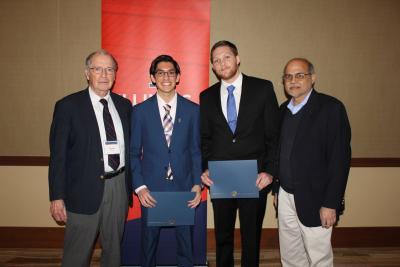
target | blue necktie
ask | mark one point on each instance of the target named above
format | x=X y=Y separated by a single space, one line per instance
x=231 y=108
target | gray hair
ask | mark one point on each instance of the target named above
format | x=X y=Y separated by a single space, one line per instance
x=88 y=61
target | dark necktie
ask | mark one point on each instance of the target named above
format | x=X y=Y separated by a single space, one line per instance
x=113 y=159
x=231 y=108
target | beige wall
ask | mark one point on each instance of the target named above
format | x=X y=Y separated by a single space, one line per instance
x=354 y=45
x=42 y=49
x=371 y=198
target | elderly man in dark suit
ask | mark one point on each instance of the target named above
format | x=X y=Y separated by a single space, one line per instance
x=314 y=165
x=89 y=182
x=239 y=120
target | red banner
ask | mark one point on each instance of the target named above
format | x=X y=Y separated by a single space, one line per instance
x=136 y=32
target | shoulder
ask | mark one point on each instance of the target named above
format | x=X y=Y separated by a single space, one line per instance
x=145 y=104
x=328 y=101
x=257 y=81
x=210 y=91
x=187 y=103
x=284 y=105
x=73 y=99
x=119 y=100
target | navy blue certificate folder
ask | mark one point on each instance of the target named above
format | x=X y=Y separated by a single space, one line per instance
x=233 y=179
x=171 y=209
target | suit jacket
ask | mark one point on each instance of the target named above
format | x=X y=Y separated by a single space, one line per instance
x=256 y=135
x=320 y=157
x=76 y=155
x=150 y=154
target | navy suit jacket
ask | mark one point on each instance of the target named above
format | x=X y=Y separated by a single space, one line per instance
x=76 y=155
x=150 y=154
x=320 y=157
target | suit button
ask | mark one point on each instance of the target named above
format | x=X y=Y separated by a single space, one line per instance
x=234 y=140
x=102 y=177
x=169 y=151
x=165 y=168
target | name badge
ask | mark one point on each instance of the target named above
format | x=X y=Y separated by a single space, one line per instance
x=111 y=147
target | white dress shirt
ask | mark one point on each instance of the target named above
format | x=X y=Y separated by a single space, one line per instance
x=98 y=110
x=237 y=94
x=161 y=103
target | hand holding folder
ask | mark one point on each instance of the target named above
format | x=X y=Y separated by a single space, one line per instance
x=171 y=209
x=233 y=179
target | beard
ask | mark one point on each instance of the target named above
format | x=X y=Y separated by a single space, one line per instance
x=227 y=73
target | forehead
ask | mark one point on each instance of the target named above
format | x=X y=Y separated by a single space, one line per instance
x=164 y=65
x=296 y=66
x=102 y=59
x=221 y=50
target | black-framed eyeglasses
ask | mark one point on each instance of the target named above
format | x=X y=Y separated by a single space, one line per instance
x=297 y=76
x=169 y=73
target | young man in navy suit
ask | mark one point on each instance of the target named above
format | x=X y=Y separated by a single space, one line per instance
x=166 y=154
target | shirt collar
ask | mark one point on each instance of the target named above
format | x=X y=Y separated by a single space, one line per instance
x=172 y=103
x=237 y=83
x=96 y=98
x=296 y=108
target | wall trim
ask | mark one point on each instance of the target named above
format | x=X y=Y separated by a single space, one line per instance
x=24 y=161
x=44 y=161
x=52 y=237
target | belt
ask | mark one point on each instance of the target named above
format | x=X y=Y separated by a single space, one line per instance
x=109 y=175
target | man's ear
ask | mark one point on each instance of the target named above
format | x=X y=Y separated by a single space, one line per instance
x=153 y=79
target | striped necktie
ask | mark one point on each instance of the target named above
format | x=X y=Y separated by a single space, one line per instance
x=113 y=159
x=168 y=127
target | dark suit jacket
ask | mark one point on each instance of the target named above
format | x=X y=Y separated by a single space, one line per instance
x=150 y=154
x=256 y=134
x=320 y=157
x=76 y=157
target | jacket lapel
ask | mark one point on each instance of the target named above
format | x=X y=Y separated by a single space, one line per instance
x=178 y=119
x=155 y=120
x=245 y=101
x=122 y=115
x=90 y=120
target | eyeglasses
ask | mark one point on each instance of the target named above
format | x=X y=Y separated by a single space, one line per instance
x=297 y=76
x=99 y=70
x=169 y=73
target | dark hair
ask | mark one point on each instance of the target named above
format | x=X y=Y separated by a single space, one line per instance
x=224 y=43
x=310 y=66
x=88 y=61
x=163 y=58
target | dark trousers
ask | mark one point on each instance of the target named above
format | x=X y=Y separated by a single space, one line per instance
x=251 y=216
x=150 y=238
x=81 y=230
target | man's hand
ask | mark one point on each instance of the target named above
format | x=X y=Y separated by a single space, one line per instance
x=205 y=178
x=197 y=198
x=146 y=199
x=263 y=180
x=328 y=217
x=58 y=211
